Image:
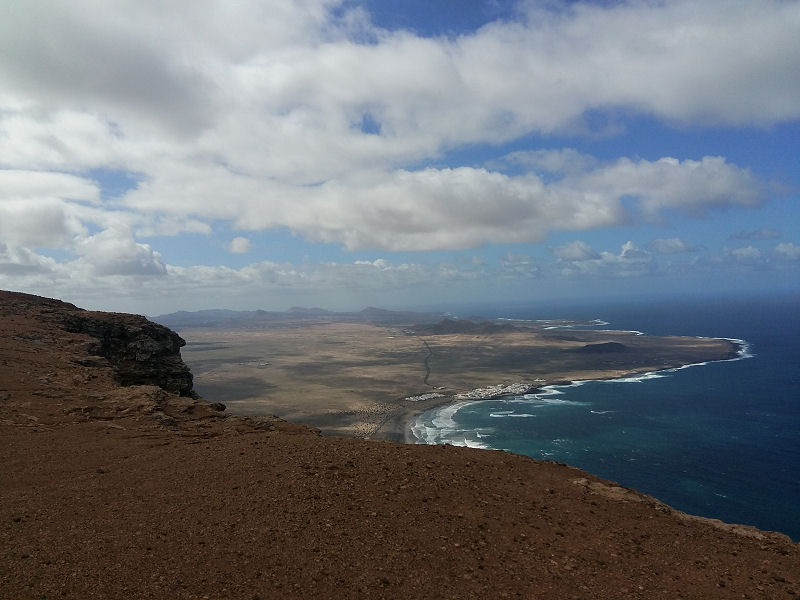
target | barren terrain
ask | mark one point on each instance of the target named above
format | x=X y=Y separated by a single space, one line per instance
x=111 y=492
x=356 y=378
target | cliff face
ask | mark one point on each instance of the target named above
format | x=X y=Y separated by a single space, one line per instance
x=138 y=351
x=138 y=492
x=141 y=352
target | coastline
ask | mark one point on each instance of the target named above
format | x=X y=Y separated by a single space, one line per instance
x=399 y=427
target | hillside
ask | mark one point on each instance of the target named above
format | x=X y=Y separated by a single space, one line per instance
x=118 y=482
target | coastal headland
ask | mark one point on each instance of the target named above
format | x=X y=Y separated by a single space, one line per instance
x=118 y=481
x=367 y=374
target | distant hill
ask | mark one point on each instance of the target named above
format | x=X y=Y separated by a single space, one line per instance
x=601 y=348
x=454 y=326
x=295 y=316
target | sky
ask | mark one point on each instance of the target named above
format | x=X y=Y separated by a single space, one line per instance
x=262 y=154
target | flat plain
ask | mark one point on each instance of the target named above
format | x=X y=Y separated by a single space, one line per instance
x=361 y=379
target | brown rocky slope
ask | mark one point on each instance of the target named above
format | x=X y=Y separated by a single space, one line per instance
x=145 y=491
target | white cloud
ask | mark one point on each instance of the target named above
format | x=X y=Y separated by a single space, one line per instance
x=574 y=251
x=453 y=208
x=689 y=185
x=238 y=126
x=43 y=210
x=788 y=251
x=669 y=246
x=746 y=254
x=239 y=245
x=519 y=266
x=250 y=113
x=229 y=80
x=579 y=259
x=115 y=252
x=16 y=261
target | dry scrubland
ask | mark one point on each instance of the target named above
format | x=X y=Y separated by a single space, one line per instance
x=353 y=378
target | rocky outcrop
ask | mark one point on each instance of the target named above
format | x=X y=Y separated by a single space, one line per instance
x=141 y=352
x=451 y=326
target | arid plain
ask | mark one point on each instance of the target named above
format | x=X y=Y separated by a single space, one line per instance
x=364 y=379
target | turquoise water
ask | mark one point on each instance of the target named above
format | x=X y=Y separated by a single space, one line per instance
x=720 y=440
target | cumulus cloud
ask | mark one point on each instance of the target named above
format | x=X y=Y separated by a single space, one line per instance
x=16 y=261
x=519 y=266
x=306 y=116
x=575 y=251
x=746 y=254
x=239 y=245
x=264 y=127
x=455 y=208
x=115 y=252
x=669 y=246
x=579 y=259
x=43 y=210
x=788 y=251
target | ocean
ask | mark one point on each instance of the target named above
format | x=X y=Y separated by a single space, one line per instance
x=719 y=439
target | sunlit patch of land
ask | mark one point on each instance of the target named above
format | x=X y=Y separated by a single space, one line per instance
x=359 y=379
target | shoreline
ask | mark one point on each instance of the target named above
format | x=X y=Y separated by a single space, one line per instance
x=399 y=427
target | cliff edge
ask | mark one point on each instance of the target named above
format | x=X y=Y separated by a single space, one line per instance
x=117 y=482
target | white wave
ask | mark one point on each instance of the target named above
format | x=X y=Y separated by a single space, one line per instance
x=465 y=442
x=632 y=331
x=744 y=348
x=639 y=378
x=444 y=429
x=441 y=428
x=544 y=400
x=509 y=413
x=443 y=418
x=422 y=433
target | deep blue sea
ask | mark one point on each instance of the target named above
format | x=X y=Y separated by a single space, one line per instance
x=719 y=440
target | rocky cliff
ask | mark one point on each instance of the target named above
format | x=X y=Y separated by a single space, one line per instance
x=140 y=352
x=146 y=492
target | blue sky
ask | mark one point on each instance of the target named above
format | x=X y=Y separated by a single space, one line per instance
x=343 y=153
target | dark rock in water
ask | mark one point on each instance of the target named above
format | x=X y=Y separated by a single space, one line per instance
x=602 y=348
x=140 y=351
